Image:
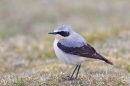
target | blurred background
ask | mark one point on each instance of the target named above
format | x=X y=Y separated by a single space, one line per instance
x=26 y=49
x=39 y=17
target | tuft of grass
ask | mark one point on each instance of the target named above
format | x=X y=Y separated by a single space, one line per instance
x=127 y=68
x=19 y=82
x=121 y=84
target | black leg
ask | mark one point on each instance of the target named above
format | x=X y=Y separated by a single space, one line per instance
x=74 y=71
x=78 y=71
x=71 y=77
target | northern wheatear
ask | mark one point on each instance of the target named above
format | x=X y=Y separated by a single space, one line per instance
x=71 y=48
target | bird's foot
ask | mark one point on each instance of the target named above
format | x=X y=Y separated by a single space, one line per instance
x=70 y=79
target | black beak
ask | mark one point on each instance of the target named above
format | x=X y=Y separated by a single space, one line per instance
x=52 y=33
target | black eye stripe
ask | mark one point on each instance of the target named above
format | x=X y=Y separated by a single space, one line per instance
x=63 y=33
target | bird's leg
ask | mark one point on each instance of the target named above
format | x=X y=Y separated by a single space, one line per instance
x=78 y=71
x=71 y=77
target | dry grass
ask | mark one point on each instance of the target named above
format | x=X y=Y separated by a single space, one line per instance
x=25 y=63
x=26 y=54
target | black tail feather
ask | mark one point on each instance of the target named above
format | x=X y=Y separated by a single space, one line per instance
x=104 y=59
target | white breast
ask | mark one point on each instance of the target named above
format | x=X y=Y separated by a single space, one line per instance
x=67 y=58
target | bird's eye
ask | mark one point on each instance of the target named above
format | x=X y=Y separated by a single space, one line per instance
x=63 y=33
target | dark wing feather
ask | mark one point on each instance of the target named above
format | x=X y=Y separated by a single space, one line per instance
x=84 y=51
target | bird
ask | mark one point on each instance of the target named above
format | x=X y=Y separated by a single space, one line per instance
x=71 y=48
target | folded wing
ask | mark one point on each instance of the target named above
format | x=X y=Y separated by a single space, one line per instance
x=85 y=51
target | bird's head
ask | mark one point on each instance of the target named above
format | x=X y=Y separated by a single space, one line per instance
x=62 y=32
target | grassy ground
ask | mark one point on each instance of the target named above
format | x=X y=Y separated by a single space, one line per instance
x=26 y=53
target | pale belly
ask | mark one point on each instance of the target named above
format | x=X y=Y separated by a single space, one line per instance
x=68 y=58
